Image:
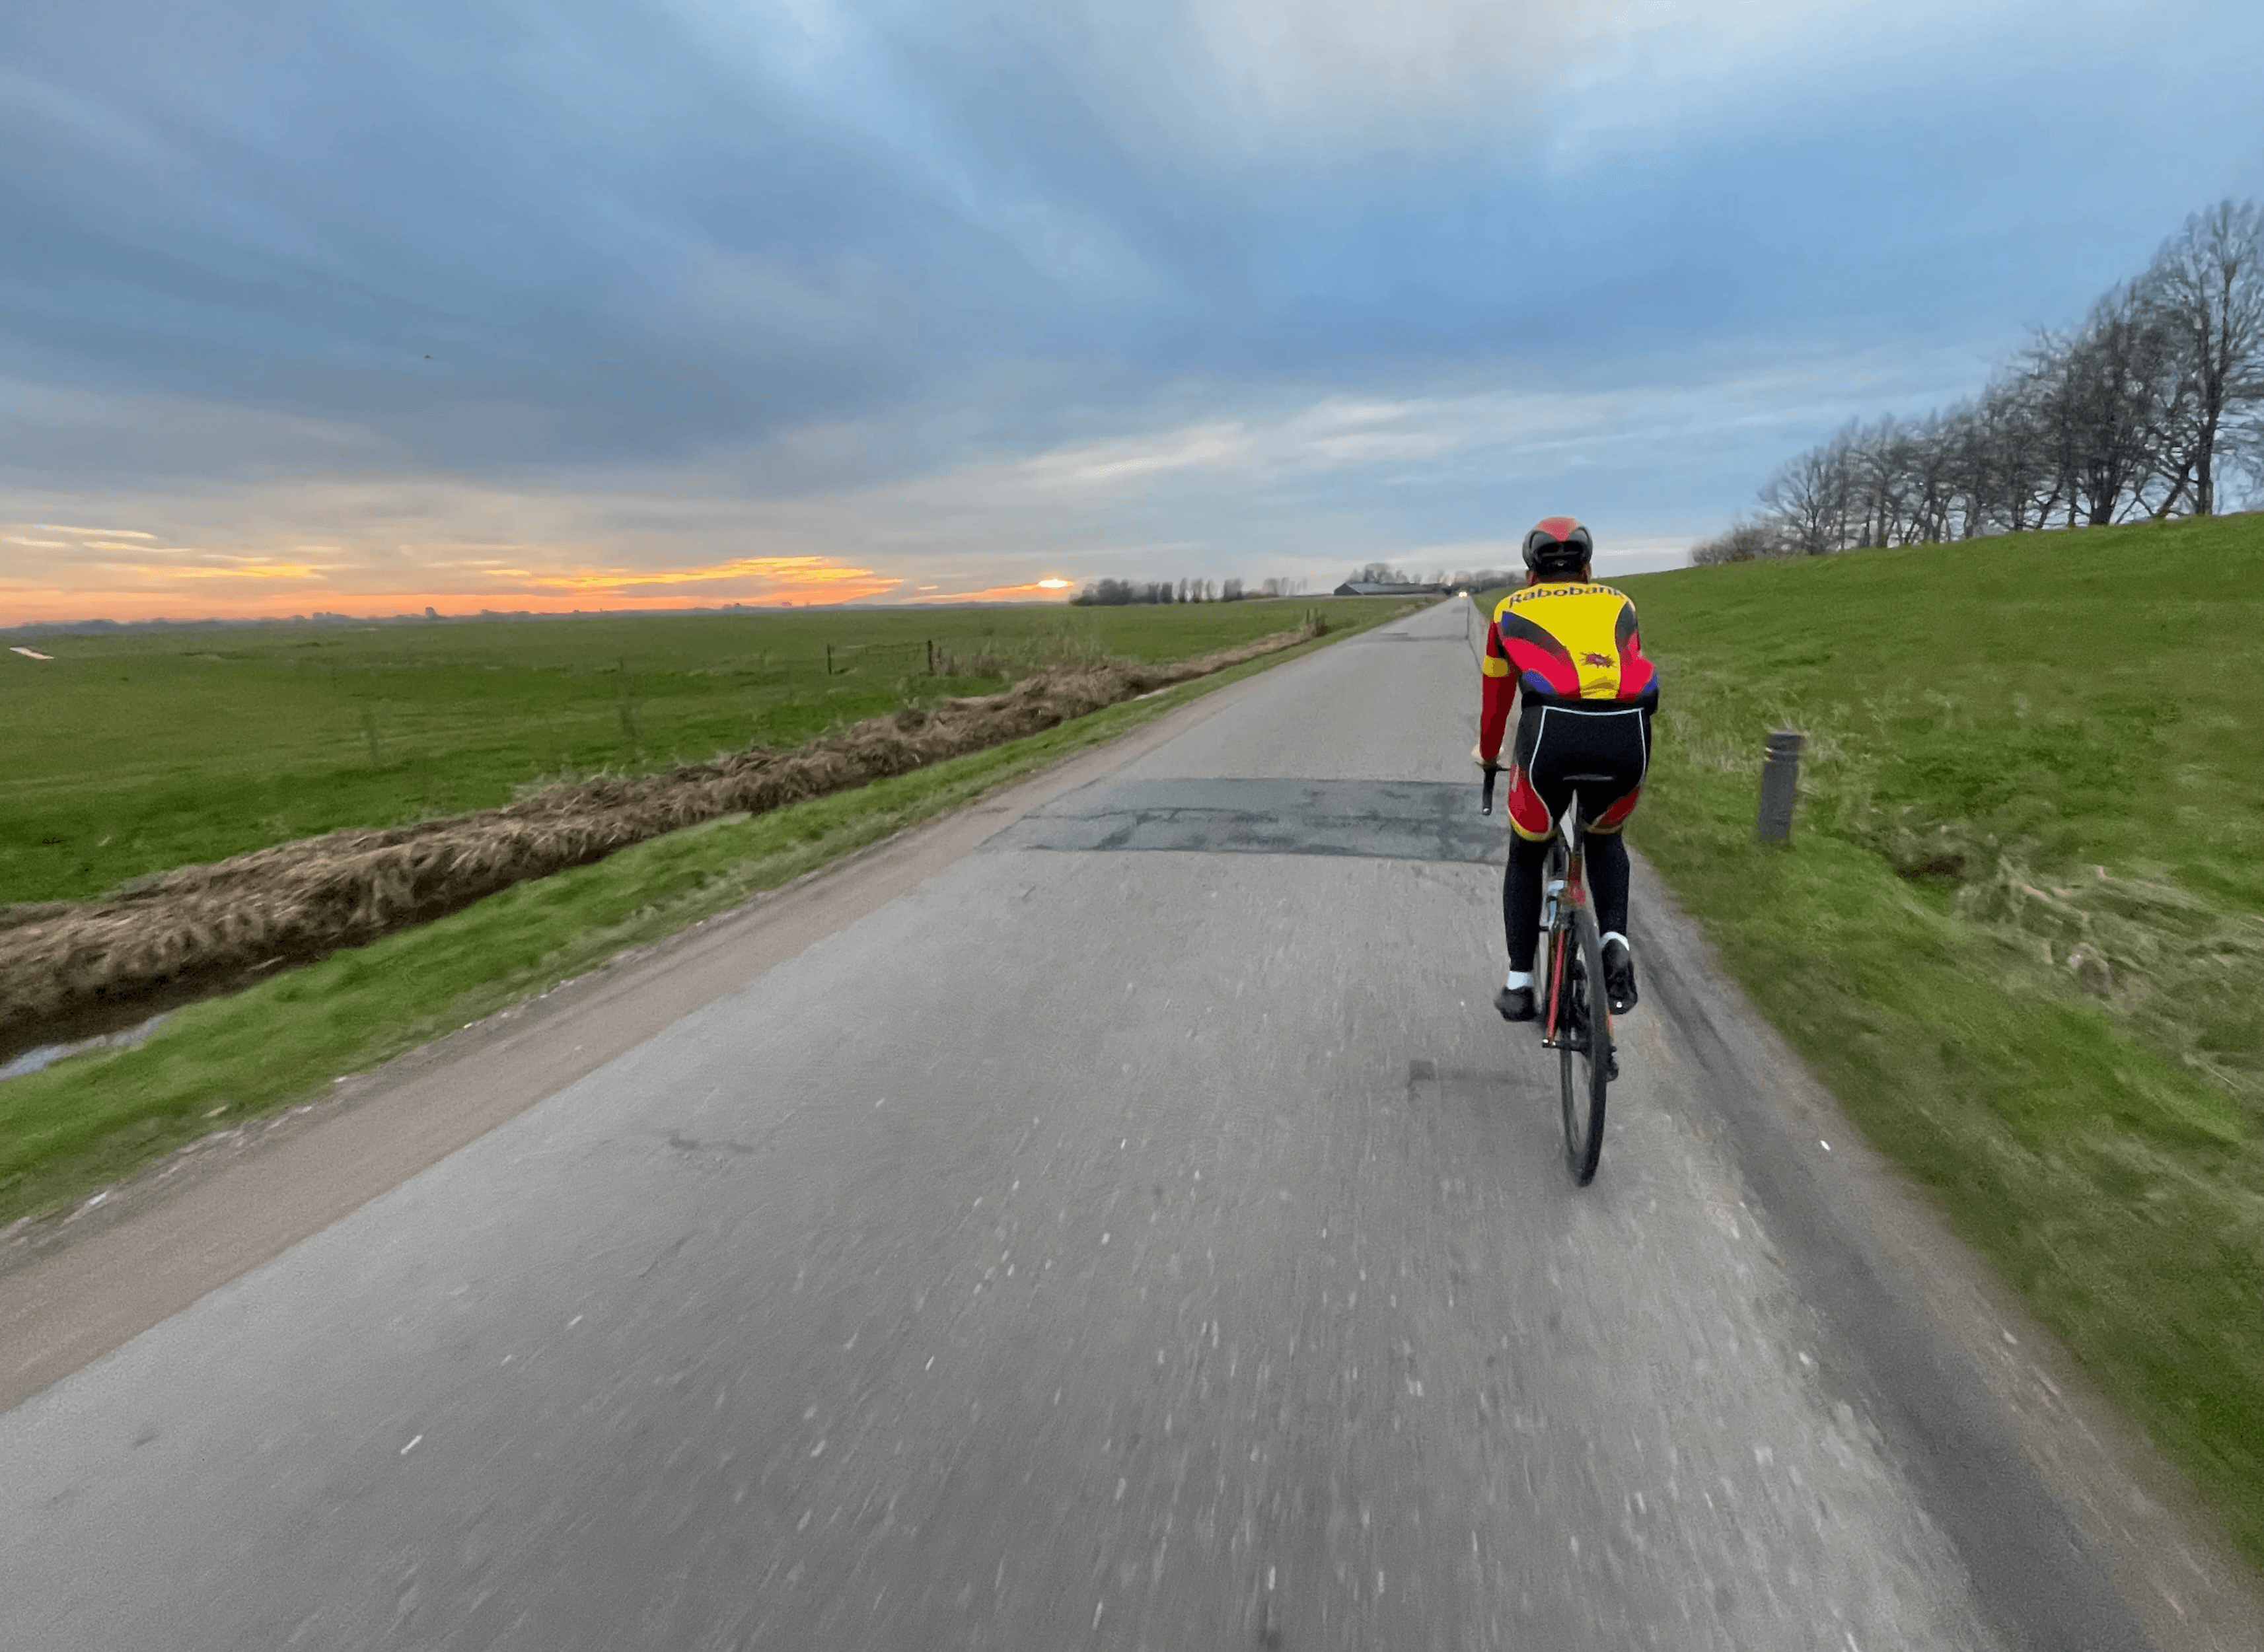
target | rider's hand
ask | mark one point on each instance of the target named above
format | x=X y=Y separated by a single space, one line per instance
x=1482 y=760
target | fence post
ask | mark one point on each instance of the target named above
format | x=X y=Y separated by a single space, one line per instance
x=1779 y=786
x=829 y=659
x=930 y=656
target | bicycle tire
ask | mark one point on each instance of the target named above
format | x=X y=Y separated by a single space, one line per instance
x=1583 y=1045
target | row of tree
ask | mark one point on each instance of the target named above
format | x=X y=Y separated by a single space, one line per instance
x=1116 y=593
x=2144 y=410
x=1461 y=579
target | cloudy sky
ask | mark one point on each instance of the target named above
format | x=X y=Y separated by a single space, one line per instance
x=361 y=306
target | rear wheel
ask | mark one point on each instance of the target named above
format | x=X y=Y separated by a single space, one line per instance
x=1584 y=1044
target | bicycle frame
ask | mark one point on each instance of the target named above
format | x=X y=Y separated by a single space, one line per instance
x=1556 y=895
x=1576 y=1024
x=1571 y=886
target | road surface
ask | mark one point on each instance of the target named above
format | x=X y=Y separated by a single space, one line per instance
x=1139 y=1232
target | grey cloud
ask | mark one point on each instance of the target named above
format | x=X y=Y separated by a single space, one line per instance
x=564 y=233
x=772 y=256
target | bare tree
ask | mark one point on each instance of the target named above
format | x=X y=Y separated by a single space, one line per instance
x=2118 y=373
x=1930 y=491
x=2014 y=459
x=1743 y=541
x=1969 y=468
x=2241 y=450
x=1807 y=499
x=2144 y=410
x=2207 y=287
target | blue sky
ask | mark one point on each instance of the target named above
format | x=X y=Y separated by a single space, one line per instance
x=540 y=305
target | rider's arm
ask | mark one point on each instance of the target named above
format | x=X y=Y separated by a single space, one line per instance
x=1639 y=677
x=1500 y=692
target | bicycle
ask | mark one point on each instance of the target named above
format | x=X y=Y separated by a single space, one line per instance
x=1576 y=1017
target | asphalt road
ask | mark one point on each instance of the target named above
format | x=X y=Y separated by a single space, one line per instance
x=1141 y=1233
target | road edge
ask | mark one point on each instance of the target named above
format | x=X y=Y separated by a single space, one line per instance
x=78 y=1285
x=2166 y=1558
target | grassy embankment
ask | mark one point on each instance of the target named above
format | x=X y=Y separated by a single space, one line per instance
x=2019 y=932
x=94 y=1118
x=137 y=752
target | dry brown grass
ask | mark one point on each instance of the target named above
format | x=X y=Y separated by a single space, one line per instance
x=66 y=965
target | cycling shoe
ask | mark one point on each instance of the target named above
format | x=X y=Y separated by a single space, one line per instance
x=1619 y=975
x=1515 y=1003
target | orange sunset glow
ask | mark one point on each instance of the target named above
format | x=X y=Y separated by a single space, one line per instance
x=1037 y=590
x=129 y=574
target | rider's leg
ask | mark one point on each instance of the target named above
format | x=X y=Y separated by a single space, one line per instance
x=1520 y=899
x=1608 y=880
x=1521 y=914
x=1608 y=887
x=1608 y=884
x=1520 y=894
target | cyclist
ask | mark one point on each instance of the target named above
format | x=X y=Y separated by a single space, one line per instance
x=1567 y=650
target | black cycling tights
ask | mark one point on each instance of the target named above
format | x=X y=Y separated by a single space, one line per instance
x=1520 y=891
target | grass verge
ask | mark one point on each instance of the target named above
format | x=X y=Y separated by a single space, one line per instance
x=132 y=752
x=93 y=1119
x=2014 y=932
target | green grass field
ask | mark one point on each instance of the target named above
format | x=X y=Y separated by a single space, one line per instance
x=2020 y=930
x=93 y=1118
x=135 y=752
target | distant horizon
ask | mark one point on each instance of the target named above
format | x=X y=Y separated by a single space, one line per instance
x=419 y=617
x=1061 y=595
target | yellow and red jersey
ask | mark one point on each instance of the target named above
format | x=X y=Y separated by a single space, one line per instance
x=1563 y=641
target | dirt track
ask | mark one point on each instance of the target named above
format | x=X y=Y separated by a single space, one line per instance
x=69 y=969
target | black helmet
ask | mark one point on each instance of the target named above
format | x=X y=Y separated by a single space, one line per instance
x=1558 y=545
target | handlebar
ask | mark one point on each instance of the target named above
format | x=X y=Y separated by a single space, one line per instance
x=1485 y=796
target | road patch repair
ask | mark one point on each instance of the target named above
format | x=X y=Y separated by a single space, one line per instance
x=1391 y=819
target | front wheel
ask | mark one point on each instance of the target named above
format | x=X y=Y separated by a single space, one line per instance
x=1584 y=1044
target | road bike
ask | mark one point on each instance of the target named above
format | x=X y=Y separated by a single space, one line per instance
x=1576 y=1010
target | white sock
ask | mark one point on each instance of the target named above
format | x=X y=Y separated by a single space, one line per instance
x=1518 y=978
x=1615 y=936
